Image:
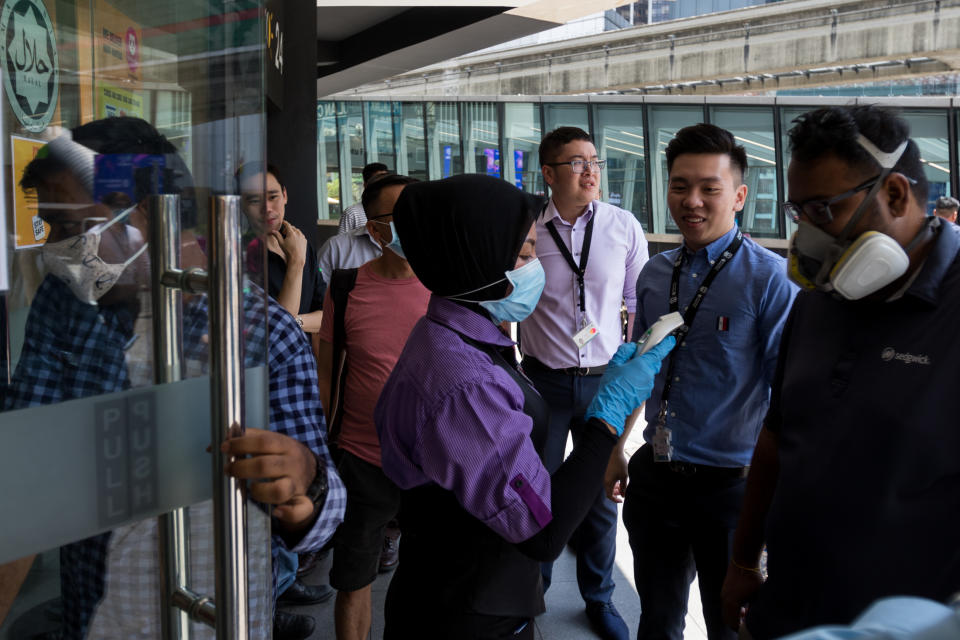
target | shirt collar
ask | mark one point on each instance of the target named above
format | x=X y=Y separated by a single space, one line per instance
x=552 y=213
x=465 y=322
x=945 y=248
x=715 y=248
x=362 y=231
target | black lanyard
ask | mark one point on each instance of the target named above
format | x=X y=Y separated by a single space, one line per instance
x=692 y=308
x=581 y=269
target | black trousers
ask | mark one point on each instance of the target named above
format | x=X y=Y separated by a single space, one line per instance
x=681 y=524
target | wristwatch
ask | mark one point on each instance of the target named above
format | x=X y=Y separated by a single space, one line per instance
x=299 y=319
x=317 y=491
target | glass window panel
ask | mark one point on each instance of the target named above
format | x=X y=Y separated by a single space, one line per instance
x=620 y=142
x=79 y=386
x=929 y=129
x=443 y=137
x=565 y=115
x=412 y=147
x=350 y=129
x=787 y=116
x=521 y=139
x=752 y=126
x=328 y=162
x=379 y=130
x=665 y=121
x=481 y=138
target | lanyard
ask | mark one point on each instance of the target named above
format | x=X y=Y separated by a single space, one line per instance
x=691 y=311
x=581 y=269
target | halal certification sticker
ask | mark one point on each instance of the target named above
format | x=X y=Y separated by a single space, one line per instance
x=31 y=69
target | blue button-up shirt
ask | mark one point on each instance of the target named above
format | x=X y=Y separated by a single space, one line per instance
x=721 y=385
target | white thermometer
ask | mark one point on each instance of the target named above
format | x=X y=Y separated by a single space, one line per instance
x=659 y=330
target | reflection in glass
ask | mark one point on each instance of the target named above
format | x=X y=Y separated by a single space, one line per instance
x=565 y=115
x=521 y=137
x=929 y=130
x=665 y=121
x=753 y=129
x=412 y=151
x=443 y=139
x=328 y=162
x=620 y=142
x=481 y=135
x=350 y=132
x=379 y=130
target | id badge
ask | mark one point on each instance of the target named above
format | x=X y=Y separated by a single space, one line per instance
x=585 y=335
x=662 y=444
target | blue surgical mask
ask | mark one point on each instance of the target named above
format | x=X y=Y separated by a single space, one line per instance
x=527 y=281
x=394 y=244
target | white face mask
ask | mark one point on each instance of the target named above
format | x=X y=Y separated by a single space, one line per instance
x=75 y=261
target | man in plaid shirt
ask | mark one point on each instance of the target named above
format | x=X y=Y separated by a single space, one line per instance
x=77 y=348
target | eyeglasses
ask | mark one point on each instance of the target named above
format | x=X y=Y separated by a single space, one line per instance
x=577 y=166
x=382 y=215
x=818 y=211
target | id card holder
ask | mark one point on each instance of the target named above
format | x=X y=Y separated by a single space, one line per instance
x=662 y=444
x=585 y=335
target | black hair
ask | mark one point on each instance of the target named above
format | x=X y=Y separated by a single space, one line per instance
x=833 y=130
x=378 y=184
x=552 y=142
x=371 y=169
x=248 y=169
x=708 y=139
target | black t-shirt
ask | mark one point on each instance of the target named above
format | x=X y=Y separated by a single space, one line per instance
x=313 y=288
x=865 y=405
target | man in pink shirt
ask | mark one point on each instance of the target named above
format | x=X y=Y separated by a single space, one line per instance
x=592 y=253
x=382 y=307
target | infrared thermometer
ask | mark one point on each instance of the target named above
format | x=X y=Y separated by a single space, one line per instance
x=659 y=330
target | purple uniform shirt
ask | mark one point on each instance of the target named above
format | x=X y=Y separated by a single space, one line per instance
x=618 y=251
x=450 y=416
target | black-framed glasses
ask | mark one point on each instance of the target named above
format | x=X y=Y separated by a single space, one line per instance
x=818 y=211
x=578 y=165
x=382 y=215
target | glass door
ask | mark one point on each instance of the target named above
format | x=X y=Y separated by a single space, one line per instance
x=127 y=350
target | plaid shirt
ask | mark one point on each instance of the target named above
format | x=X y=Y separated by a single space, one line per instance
x=75 y=350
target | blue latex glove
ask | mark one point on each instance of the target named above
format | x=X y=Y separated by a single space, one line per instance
x=627 y=382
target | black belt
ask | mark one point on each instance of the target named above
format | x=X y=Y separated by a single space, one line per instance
x=703 y=470
x=529 y=362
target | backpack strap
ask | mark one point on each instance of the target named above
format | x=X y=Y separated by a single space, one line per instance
x=341 y=284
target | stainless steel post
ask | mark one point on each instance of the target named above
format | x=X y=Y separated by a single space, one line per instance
x=226 y=409
x=172 y=527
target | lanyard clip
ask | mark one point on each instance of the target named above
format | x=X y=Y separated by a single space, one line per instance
x=662 y=416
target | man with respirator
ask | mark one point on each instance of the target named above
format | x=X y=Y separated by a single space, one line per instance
x=855 y=481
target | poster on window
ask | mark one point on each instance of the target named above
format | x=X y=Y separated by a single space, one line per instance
x=113 y=102
x=29 y=229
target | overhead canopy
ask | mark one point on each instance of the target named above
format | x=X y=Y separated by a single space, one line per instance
x=361 y=41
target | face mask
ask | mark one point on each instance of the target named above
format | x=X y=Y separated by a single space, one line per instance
x=527 y=283
x=394 y=244
x=852 y=268
x=75 y=261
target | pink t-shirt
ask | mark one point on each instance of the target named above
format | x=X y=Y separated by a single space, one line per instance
x=380 y=315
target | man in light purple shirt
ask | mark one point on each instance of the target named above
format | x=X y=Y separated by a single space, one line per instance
x=592 y=253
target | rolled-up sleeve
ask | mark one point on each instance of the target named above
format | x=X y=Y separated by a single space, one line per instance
x=477 y=445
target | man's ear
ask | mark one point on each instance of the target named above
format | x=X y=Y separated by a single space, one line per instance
x=741 y=200
x=548 y=175
x=898 y=193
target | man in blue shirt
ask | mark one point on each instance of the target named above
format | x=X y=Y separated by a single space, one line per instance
x=855 y=482
x=709 y=399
